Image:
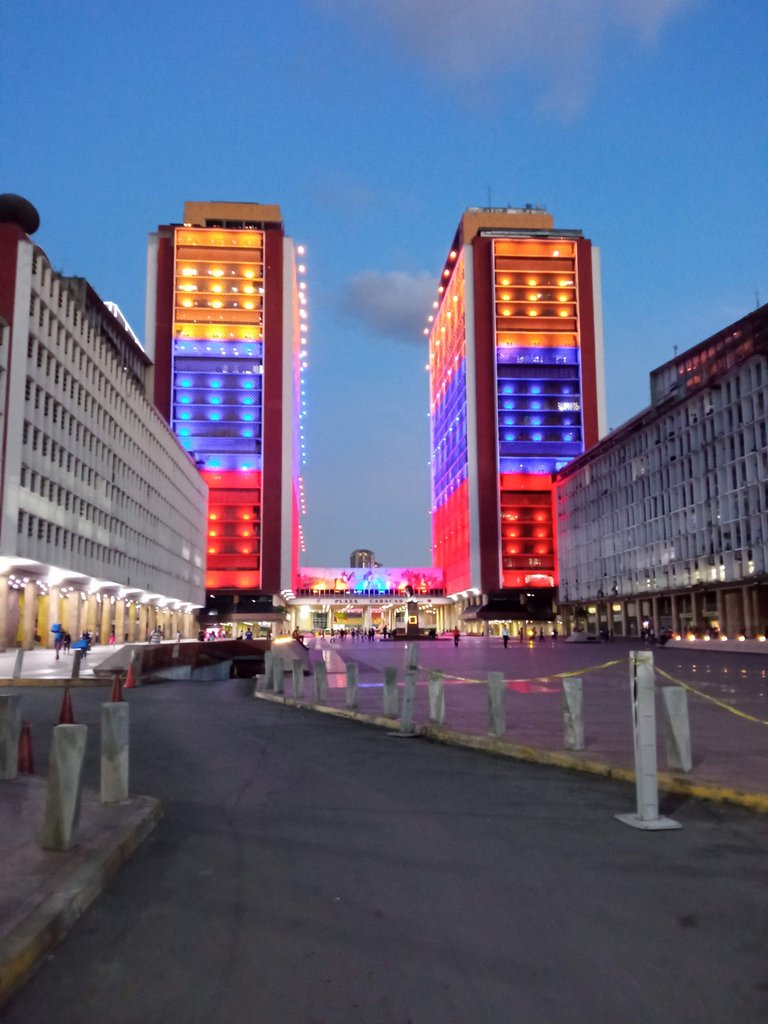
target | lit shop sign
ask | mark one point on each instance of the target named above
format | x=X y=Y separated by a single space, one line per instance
x=380 y=580
x=568 y=406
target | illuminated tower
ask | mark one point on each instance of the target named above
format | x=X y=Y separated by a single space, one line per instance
x=516 y=392
x=225 y=316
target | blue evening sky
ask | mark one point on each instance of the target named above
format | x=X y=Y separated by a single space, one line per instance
x=374 y=125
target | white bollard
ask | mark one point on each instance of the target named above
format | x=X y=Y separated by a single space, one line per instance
x=114 y=752
x=65 y=776
x=321 y=682
x=436 y=691
x=644 y=721
x=10 y=729
x=497 y=714
x=265 y=681
x=278 y=671
x=678 y=729
x=390 y=691
x=352 y=682
x=297 y=671
x=406 y=715
x=573 y=719
x=18 y=663
x=412 y=657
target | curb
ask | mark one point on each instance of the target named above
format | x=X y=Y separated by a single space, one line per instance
x=667 y=783
x=22 y=949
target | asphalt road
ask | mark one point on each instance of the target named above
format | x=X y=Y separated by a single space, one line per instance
x=314 y=871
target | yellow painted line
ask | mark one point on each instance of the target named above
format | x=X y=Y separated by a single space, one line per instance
x=711 y=699
x=533 y=679
x=42 y=681
x=667 y=782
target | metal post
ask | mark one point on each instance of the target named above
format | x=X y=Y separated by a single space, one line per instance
x=390 y=691
x=497 y=715
x=573 y=719
x=352 y=681
x=641 y=678
x=678 y=729
x=10 y=729
x=436 y=691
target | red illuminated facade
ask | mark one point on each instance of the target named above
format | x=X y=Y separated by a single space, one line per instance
x=516 y=392
x=224 y=327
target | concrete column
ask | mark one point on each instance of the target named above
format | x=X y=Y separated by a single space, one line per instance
x=678 y=730
x=277 y=674
x=436 y=691
x=675 y=614
x=29 y=618
x=120 y=620
x=695 y=609
x=142 y=623
x=131 y=626
x=91 y=614
x=352 y=682
x=746 y=602
x=321 y=682
x=65 y=775
x=655 y=614
x=573 y=719
x=497 y=716
x=297 y=671
x=10 y=728
x=390 y=691
x=73 y=614
x=114 y=752
x=3 y=613
x=724 y=619
x=105 y=625
x=406 y=715
x=53 y=615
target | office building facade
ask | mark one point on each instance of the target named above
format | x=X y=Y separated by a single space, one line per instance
x=516 y=392
x=103 y=513
x=227 y=329
x=664 y=524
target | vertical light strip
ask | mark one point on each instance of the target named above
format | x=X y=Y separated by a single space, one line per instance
x=471 y=399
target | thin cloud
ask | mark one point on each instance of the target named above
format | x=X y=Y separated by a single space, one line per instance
x=555 y=42
x=393 y=304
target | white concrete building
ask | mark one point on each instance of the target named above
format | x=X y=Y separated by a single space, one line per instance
x=102 y=513
x=664 y=524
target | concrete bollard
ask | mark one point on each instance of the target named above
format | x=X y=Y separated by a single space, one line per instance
x=65 y=776
x=18 y=663
x=135 y=662
x=278 y=671
x=10 y=729
x=76 y=662
x=497 y=713
x=436 y=690
x=114 y=752
x=297 y=671
x=678 y=729
x=175 y=651
x=321 y=682
x=406 y=715
x=641 y=679
x=412 y=657
x=265 y=681
x=390 y=691
x=352 y=683
x=573 y=719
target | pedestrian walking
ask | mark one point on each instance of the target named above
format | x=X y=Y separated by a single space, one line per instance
x=456 y=636
x=505 y=637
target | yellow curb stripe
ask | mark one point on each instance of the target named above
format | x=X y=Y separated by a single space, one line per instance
x=41 y=681
x=667 y=783
x=711 y=699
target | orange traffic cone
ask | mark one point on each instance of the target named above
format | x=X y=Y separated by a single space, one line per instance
x=66 y=716
x=117 y=690
x=130 y=679
x=26 y=760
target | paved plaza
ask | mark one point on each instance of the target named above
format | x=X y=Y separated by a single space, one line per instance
x=41 y=894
